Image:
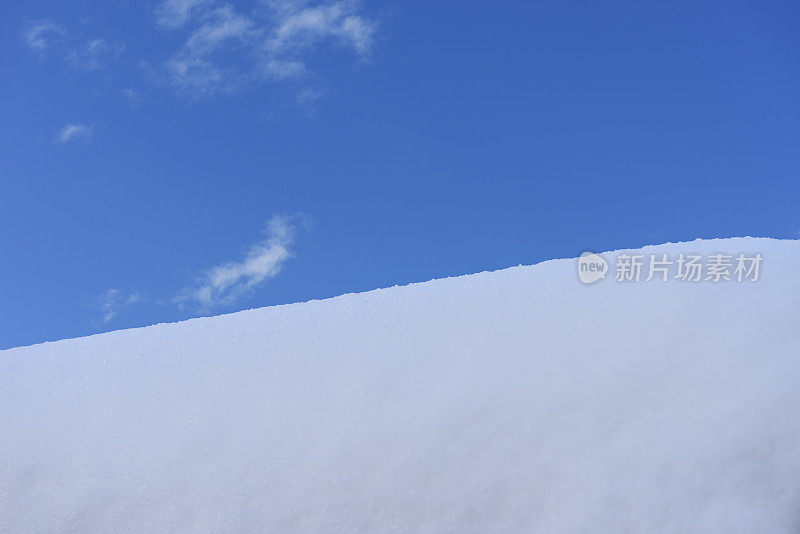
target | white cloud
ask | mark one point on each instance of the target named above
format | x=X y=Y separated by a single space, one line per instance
x=41 y=34
x=283 y=70
x=92 y=55
x=176 y=13
x=309 y=95
x=112 y=301
x=225 y=283
x=305 y=99
x=303 y=28
x=74 y=132
x=134 y=99
x=196 y=68
x=225 y=50
x=222 y=24
x=109 y=302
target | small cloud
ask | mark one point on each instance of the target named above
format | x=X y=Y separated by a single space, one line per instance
x=109 y=302
x=225 y=283
x=112 y=301
x=359 y=33
x=133 y=98
x=309 y=95
x=283 y=70
x=94 y=54
x=268 y=116
x=306 y=99
x=221 y=25
x=41 y=34
x=302 y=27
x=176 y=13
x=74 y=132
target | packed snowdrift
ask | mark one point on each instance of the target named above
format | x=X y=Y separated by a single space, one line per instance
x=513 y=401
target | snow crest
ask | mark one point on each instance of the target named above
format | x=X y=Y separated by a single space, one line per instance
x=512 y=401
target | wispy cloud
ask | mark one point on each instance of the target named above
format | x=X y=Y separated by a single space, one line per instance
x=94 y=54
x=225 y=283
x=225 y=50
x=197 y=68
x=176 y=13
x=74 y=132
x=300 y=27
x=40 y=35
x=43 y=36
x=223 y=47
x=134 y=98
x=113 y=300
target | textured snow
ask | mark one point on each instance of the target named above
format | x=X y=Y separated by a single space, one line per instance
x=512 y=401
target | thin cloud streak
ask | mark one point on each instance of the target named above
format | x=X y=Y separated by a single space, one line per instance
x=223 y=284
x=226 y=283
x=94 y=54
x=74 y=132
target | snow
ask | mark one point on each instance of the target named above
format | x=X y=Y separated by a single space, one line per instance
x=512 y=401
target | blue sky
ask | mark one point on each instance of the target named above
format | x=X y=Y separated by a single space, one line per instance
x=163 y=160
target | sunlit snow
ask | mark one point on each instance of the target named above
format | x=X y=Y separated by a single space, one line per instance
x=512 y=401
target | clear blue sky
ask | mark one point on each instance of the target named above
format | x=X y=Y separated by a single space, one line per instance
x=149 y=149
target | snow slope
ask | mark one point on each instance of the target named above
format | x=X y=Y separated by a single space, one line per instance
x=511 y=401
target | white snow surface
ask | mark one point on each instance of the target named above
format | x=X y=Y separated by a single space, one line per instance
x=512 y=401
